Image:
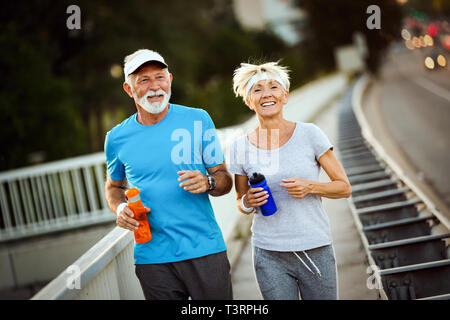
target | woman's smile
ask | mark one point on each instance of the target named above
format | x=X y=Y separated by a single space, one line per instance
x=267 y=104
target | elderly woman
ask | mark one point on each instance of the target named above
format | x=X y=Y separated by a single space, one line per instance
x=292 y=248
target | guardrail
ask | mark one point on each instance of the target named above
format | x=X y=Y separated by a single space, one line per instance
x=405 y=237
x=53 y=197
x=106 y=271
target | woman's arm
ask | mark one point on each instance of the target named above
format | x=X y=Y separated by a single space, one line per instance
x=338 y=187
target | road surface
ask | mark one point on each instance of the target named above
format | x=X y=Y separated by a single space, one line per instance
x=408 y=109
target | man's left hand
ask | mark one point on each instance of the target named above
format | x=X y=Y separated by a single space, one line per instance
x=196 y=181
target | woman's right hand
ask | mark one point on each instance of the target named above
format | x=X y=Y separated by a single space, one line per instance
x=255 y=197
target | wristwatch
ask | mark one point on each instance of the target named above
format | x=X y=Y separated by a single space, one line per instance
x=212 y=183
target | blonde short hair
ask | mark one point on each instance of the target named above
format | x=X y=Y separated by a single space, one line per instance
x=246 y=71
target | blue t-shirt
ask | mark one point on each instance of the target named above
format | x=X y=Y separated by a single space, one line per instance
x=182 y=224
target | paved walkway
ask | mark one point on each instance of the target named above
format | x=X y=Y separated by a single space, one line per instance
x=350 y=253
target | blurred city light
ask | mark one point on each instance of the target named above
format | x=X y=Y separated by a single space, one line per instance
x=446 y=42
x=428 y=40
x=432 y=30
x=406 y=35
x=422 y=42
x=429 y=63
x=116 y=71
x=441 y=61
x=409 y=44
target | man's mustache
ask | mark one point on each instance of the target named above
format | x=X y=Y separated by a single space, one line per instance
x=151 y=93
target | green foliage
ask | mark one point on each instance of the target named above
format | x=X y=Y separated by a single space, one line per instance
x=38 y=109
x=59 y=96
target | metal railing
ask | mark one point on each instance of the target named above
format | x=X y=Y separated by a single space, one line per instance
x=105 y=271
x=406 y=238
x=52 y=197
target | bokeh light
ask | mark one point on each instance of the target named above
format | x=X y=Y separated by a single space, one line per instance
x=441 y=61
x=429 y=63
x=409 y=44
x=446 y=42
x=432 y=30
x=116 y=71
x=405 y=34
x=421 y=42
x=428 y=40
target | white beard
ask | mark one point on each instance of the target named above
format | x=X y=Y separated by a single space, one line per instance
x=155 y=107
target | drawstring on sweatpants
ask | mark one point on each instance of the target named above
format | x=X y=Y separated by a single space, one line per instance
x=312 y=262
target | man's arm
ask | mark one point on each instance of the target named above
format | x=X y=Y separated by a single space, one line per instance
x=115 y=192
x=223 y=179
x=115 y=195
x=198 y=183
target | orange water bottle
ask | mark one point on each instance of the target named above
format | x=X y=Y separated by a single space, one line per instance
x=142 y=234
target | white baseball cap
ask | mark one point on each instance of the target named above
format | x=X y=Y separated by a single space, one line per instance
x=143 y=56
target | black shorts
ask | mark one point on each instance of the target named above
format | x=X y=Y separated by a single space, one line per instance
x=204 y=278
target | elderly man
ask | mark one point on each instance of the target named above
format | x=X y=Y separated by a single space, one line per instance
x=171 y=153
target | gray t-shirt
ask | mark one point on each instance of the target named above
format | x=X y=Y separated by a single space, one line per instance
x=298 y=224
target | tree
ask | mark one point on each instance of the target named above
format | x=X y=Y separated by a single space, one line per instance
x=332 y=23
x=38 y=109
x=73 y=87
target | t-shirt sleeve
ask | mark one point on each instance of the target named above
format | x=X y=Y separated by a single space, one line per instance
x=235 y=163
x=212 y=153
x=114 y=166
x=320 y=142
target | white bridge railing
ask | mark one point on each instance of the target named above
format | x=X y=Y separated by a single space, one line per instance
x=52 y=197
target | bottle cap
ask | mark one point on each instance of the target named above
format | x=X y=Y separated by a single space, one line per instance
x=256 y=178
x=132 y=193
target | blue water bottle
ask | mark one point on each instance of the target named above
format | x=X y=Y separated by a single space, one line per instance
x=257 y=180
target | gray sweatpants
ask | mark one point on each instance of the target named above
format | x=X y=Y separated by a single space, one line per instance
x=283 y=275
